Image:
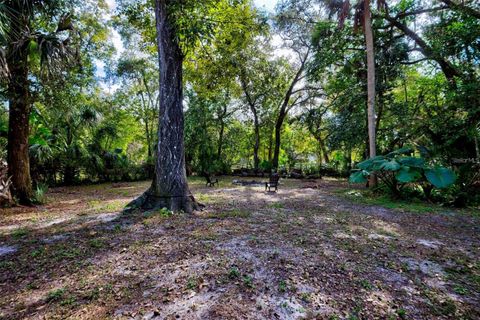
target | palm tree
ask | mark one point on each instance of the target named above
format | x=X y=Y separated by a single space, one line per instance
x=367 y=25
x=363 y=18
x=21 y=42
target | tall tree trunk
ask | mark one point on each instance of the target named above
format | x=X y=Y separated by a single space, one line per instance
x=475 y=140
x=370 y=85
x=68 y=175
x=348 y=159
x=284 y=109
x=19 y=111
x=222 y=132
x=270 y=145
x=169 y=187
x=278 y=136
x=220 y=140
x=256 y=146
x=324 y=150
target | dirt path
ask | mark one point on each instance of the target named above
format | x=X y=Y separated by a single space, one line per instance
x=299 y=253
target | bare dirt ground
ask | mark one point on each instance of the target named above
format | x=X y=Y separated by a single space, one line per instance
x=301 y=253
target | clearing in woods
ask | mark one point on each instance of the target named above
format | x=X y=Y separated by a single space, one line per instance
x=308 y=251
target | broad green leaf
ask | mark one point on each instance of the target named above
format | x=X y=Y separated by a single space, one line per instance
x=404 y=150
x=369 y=163
x=390 y=165
x=407 y=174
x=412 y=162
x=440 y=177
x=358 y=177
x=378 y=164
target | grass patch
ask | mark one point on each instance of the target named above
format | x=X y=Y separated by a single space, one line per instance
x=98 y=206
x=20 y=233
x=63 y=252
x=205 y=198
x=55 y=295
x=276 y=205
x=365 y=284
x=95 y=243
x=234 y=273
x=369 y=198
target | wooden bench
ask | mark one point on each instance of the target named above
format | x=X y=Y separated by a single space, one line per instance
x=273 y=182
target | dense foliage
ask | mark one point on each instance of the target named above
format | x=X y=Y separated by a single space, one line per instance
x=263 y=90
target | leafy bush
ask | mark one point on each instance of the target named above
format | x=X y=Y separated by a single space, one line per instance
x=39 y=195
x=397 y=169
x=266 y=166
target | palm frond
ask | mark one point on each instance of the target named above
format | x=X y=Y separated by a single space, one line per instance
x=55 y=52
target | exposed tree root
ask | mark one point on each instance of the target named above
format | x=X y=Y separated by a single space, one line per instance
x=150 y=201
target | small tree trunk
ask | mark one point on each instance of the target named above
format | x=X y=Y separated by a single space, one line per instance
x=221 y=133
x=68 y=175
x=278 y=136
x=270 y=145
x=169 y=188
x=220 y=140
x=256 y=145
x=475 y=140
x=370 y=85
x=348 y=159
x=324 y=151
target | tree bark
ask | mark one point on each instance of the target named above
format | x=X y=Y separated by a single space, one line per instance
x=169 y=187
x=68 y=175
x=370 y=85
x=270 y=145
x=278 y=136
x=324 y=150
x=222 y=131
x=256 y=146
x=19 y=112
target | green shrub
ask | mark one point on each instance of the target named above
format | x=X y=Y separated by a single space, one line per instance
x=398 y=169
x=39 y=195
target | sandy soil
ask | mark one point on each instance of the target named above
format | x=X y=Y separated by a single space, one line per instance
x=301 y=253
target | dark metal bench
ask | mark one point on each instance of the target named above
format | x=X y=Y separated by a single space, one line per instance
x=273 y=182
x=210 y=181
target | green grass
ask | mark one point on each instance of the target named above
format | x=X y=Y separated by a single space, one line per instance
x=282 y=286
x=63 y=252
x=248 y=281
x=20 y=233
x=276 y=205
x=366 y=284
x=192 y=283
x=99 y=206
x=233 y=273
x=369 y=198
x=95 y=243
x=55 y=295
